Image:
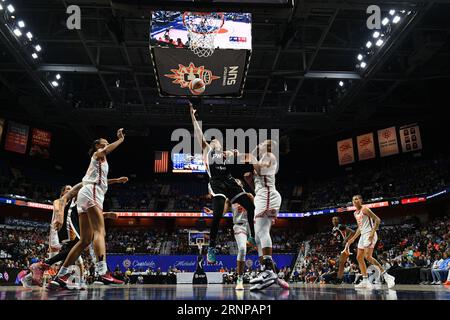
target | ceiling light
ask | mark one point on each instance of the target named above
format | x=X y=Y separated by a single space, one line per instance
x=38 y=48
x=396 y=19
x=368 y=44
x=379 y=42
x=341 y=83
x=363 y=64
x=376 y=34
x=360 y=57
x=21 y=24
x=391 y=12
x=55 y=83
x=10 y=8
x=34 y=55
x=58 y=76
x=385 y=21
x=1 y=7
x=17 y=32
x=29 y=35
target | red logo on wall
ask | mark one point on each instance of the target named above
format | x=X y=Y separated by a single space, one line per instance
x=345 y=147
x=184 y=75
x=364 y=142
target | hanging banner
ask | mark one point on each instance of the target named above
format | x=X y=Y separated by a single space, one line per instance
x=40 y=143
x=366 y=146
x=387 y=142
x=346 y=153
x=410 y=138
x=17 y=137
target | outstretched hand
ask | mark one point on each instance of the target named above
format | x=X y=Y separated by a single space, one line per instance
x=122 y=180
x=120 y=134
x=347 y=249
x=191 y=109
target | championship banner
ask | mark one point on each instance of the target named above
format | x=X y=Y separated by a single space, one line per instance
x=387 y=142
x=2 y=125
x=410 y=138
x=17 y=137
x=346 y=153
x=366 y=146
x=40 y=143
x=188 y=263
x=223 y=73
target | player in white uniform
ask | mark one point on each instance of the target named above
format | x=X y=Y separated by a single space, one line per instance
x=241 y=231
x=90 y=209
x=368 y=224
x=267 y=206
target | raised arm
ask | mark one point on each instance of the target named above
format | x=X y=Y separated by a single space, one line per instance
x=118 y=180
x=100 y=153
x=60 y=204
x=197 y=130
x=58 y=214
x=71 y=194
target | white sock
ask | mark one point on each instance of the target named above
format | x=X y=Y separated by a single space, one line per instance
x=63 y=271
x=101 y=268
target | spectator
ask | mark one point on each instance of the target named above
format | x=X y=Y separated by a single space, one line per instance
x=440 y=269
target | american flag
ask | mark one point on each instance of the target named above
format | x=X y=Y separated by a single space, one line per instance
x=161 y=161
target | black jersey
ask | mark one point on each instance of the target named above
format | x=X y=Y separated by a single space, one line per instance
x=340 y=232
x=62 y=233
x=73 y=224
x=217 y=165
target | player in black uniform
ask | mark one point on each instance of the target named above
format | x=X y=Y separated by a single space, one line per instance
x=342 y=233
x=65 y=220
x=61 y=208
x=222 y=185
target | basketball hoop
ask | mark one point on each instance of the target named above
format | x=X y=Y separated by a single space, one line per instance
x=203 y=28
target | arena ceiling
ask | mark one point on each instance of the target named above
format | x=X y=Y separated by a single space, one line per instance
x=298 y=59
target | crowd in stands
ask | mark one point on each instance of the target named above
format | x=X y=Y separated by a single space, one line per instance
x=395 y=179
x=411 y=244
x=408 y=245
x=18 y=246
x=150 y=242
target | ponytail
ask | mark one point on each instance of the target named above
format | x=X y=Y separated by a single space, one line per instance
x=93 y=148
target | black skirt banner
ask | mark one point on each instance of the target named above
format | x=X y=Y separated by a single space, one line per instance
x=223 y=73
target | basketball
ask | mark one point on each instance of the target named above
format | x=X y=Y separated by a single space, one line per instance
x=197 y=86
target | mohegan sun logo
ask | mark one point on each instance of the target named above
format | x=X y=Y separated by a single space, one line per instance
x=126 y=263
x=184 y=75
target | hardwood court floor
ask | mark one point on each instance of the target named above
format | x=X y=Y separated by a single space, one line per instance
x=227 y=292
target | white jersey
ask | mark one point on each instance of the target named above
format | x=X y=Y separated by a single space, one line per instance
x=266 y=178
x=365 y=223
x=97 y=174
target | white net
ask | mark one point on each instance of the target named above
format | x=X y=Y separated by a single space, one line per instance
x=203 y=28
